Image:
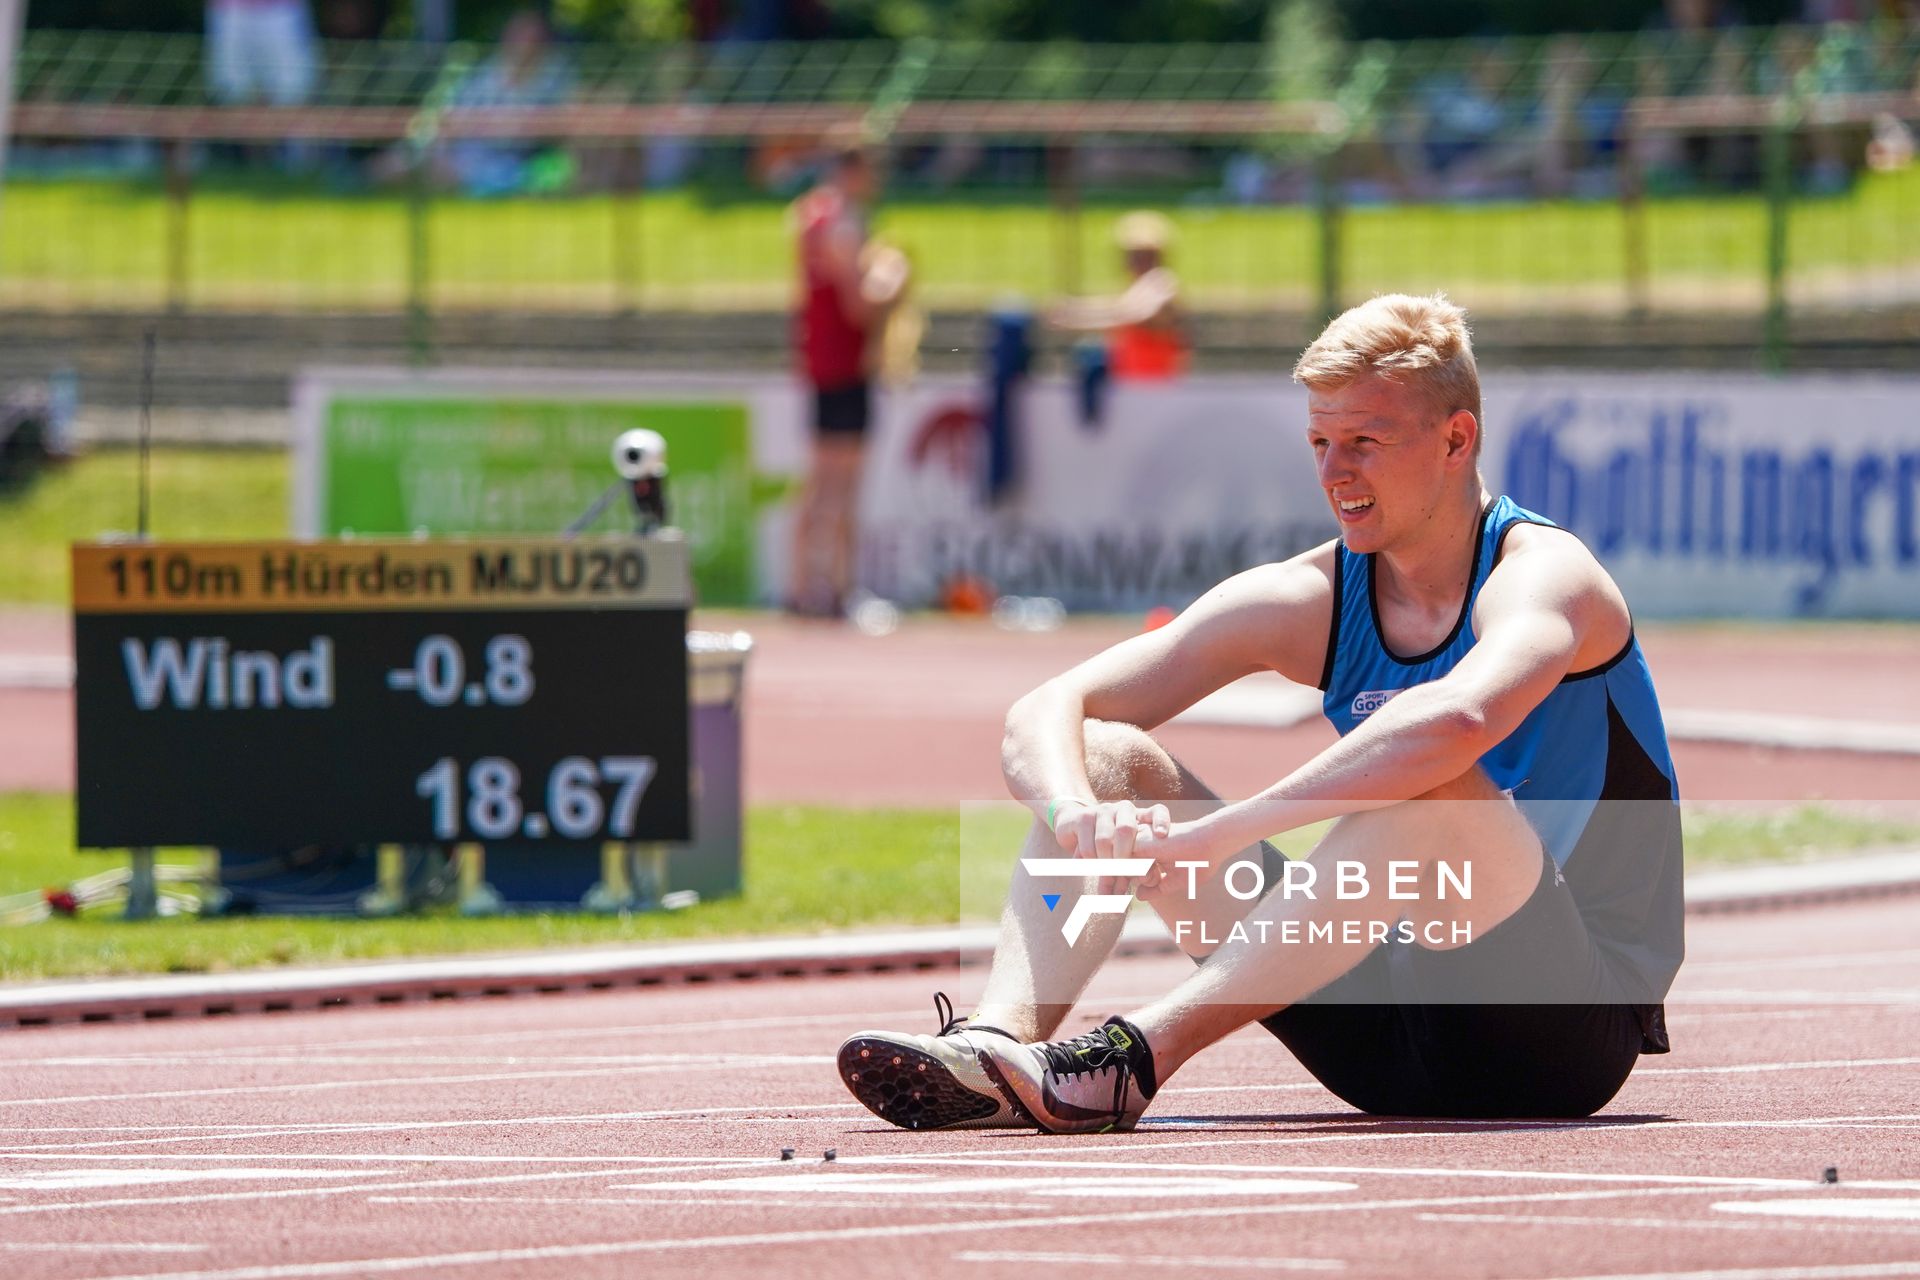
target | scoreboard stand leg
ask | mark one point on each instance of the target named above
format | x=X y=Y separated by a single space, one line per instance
x=143 y=893
x=477 y=897
x=650 y=875
x=614 y=890
x=388 y=897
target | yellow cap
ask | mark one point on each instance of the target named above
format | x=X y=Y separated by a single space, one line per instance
x=1143 y=229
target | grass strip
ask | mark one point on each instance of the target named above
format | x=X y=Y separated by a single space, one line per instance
x=808 y=870
x=78 y=242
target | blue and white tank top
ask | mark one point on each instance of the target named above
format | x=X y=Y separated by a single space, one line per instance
x=1589 y=766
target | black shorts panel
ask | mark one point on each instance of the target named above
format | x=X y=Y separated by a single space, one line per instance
x=843 y=411
x=1398 y=1034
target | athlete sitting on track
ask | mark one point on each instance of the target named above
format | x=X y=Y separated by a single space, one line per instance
x=1500 y=737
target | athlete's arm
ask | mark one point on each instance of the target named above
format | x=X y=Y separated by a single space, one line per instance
x=1147 y=300
x=1274 y=617
x=840 y=251
x=1546 y=610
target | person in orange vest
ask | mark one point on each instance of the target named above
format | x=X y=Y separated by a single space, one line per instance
x=1145 y=337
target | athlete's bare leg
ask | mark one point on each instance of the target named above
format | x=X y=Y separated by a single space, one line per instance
x=1466 y=821
x=1036 y=977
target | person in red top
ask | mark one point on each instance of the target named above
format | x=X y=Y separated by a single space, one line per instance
x=1145 y=339
x=847 y=286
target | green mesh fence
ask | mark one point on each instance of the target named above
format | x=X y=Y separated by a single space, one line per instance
x=1743 y=174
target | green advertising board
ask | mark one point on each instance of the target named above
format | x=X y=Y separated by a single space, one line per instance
x=395 y=463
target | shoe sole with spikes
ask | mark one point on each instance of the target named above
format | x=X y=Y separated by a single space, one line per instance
x=911 y=1082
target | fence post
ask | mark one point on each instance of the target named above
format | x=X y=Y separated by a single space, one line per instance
x=1328 y=217
x=179 y=190
x=1779 y=178
x=423 y=131
x=628 y=188
x=1633 y=218
x=1063 y=174
x=419 y=266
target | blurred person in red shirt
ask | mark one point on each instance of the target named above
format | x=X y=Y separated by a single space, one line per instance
x=848 y=284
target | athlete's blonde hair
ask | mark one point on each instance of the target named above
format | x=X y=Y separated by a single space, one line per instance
x=1419 y=342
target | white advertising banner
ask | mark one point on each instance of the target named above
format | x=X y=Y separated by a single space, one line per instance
x=1705 y=495
x=1168 y=490
x=1724 y=495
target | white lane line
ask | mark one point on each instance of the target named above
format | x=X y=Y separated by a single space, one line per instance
x=1141 y=1182
x=180 y=1157
x=1431 y=1129
x=1128 y=1261
x=1826 y=1064
x=1696 y=1181
x=562 y=1202
x=770 y=1060
x=128 y=1176
x=1768 y=1015
x=1895 y=996
x=388 y=1060
x=1454 y=1131
x=705 y=1115
x=1880 y=1208
x=1792 y=733
x=1823 y=960
x=309 y=1086
x=1690 y=1224
x=298 y=1193
x=96 y=1246
x=647 y=1164
x=833 y=1235
x=295 y=1051
x=1848 y=1271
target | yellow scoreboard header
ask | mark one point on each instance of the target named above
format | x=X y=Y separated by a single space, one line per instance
x=362 y=575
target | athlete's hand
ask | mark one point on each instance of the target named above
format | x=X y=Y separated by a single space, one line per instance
x=1108 y=830
x=1180 y=842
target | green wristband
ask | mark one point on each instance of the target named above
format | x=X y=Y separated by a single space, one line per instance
x=1053 y=808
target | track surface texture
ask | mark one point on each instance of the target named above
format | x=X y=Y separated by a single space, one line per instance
x=638 y=1134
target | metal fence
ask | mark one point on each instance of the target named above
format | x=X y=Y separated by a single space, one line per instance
x=1744 y=176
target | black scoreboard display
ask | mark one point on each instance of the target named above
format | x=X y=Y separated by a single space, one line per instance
x=350 y=693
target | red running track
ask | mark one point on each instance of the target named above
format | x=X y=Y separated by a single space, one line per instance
x=637 y=1134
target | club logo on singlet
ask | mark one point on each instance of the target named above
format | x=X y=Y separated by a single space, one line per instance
x=1365 y=704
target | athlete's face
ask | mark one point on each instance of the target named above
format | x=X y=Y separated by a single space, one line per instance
x=1385 y=460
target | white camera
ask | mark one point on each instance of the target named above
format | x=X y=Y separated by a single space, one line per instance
x=640 y=455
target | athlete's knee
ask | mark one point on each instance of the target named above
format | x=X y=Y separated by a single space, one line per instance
x=1125 y=763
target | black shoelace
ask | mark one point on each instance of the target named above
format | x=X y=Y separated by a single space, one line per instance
x=943 y=1010
x=951 y=1022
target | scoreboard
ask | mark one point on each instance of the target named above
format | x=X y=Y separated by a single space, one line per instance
x=280 y=694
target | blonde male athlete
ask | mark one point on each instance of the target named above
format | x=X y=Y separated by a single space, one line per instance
x=1497 y=722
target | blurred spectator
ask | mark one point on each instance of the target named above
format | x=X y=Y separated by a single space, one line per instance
x=1470 y=138
x=351 y=19
x=525 y=71
x=848 y=287
x=260 y=51
x=1145 y=336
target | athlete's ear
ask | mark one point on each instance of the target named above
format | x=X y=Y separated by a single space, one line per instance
x=1463 y=432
